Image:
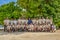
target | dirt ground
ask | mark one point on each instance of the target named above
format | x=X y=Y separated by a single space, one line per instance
x=30 y=35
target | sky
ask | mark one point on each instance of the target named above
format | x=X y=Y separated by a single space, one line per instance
x=6 y=1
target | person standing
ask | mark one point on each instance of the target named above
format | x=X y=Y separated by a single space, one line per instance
x=29 y=21
x=9 y=28
x=19 y=21
x=40 y=21
x=6 y=22
x=47 y=20
x=43 y=20
x=51 y=20
x=15 y=21
x=34 y=21
x=12 y=21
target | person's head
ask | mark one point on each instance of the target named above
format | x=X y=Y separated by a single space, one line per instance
x=9 y=23
x=13 y=24
x=37 y=18
x=29 y=19
x=42 y=17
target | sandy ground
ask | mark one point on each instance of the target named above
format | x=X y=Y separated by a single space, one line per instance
x=30 y=36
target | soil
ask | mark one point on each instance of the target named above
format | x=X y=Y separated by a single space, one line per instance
x=30 y=35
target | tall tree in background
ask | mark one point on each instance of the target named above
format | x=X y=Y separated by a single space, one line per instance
x=9 y=10
x=37 y=8
x=32 y=9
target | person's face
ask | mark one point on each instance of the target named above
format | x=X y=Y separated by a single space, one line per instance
x=42 y=17
x=29 y=19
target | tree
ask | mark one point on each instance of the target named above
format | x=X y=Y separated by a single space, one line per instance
x=9 y=10
x=38 y=8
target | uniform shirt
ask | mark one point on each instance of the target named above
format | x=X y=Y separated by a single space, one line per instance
x=29 y=21
x=51 y=22
x=44 y=26
x=43 y=20
x=26 y=26
x=49 y=25
x=13 y=26
x=22 y=26
x=40 y=21
x=40 y=26
x=37 y=22
x=23 y=21
x=15 y=22
x=9 y=26
x=11 y=22
x=19 y=21
x=18 y=26
x=31 y=26
x=6 y=22
x=33 y=21
x=47 y=21
x=35 y=25
x=54 y=27
x=26 y=21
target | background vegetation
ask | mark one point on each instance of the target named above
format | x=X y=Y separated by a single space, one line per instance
x=32 y=9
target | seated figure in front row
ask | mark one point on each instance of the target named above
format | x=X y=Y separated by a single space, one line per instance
x=9 y=28
x=53 y=28
x=31 y=27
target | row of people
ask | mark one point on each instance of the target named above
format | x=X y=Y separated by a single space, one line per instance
x=31 y=27
x=25 y=21
x=13 y=23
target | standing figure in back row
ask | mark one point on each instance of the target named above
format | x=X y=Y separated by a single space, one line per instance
x=6 y=22
x=19 y=21
x=40 y=21
x=47 y=20
x=15 y=21
x=29 y=21
x=9 y=28
x=43 y=20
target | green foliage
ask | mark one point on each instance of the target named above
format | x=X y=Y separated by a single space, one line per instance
x=38 y=8
x=9 y=10
x=33 y=9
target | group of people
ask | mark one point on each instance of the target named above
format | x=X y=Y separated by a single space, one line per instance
x=29 y=25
